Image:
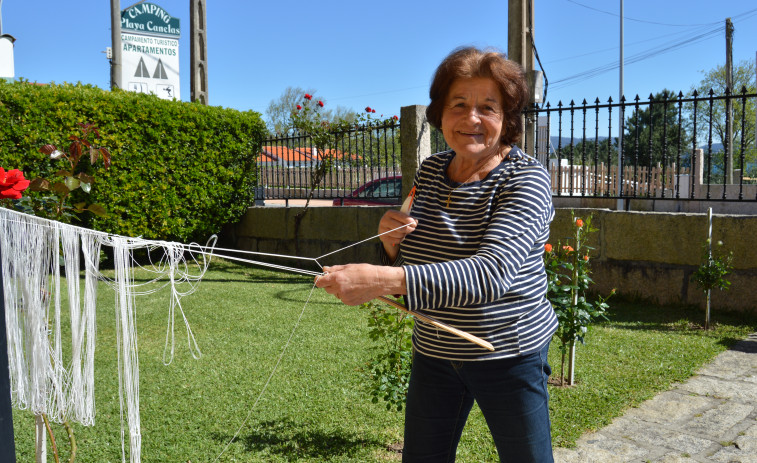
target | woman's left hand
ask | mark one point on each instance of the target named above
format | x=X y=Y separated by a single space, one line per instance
x=355 y=284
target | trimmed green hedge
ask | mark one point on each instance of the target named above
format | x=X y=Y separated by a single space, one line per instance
x=180 y=171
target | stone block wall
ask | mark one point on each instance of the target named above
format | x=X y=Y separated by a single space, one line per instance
x=650 y=255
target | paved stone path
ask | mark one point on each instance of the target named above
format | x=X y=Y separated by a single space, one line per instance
x=712 y=417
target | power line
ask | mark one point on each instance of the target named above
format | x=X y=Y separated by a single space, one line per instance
x=646 y=54
x=560 y=83
x=637 y=20
x=615 y=48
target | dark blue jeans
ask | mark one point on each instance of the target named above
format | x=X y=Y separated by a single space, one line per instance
x=511 y=393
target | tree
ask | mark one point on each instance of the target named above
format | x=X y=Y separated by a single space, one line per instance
x=743 y=111
x=279 y=111
x=711 y=272
x=594 y=151
x=653 y=131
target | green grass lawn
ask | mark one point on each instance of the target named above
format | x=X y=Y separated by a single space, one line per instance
x=314 y=409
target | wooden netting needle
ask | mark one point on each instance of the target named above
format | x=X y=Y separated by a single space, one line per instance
x=441 y=325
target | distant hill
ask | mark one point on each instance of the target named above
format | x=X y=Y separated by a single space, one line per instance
x=565 y=141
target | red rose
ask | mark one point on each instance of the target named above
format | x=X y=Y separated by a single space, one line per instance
x=373 y=110
x=579 y=223
x=395 y=118
x=547 y=247
x=12 y=183
x=299 y=107
x=367 y=109
x=320 y=103
x=308 y=96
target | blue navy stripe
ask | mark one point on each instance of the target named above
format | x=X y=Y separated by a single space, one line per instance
x=478 y=264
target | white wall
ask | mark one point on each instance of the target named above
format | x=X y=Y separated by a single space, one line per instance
x=7 y=69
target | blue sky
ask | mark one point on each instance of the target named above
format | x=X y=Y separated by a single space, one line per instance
x=382 y=54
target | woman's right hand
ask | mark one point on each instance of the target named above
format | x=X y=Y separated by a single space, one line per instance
x=390 y=221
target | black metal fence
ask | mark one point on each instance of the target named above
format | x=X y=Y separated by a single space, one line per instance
x=671 y=146
x=288 y=163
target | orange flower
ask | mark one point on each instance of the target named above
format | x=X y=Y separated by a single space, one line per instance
x=586 y=258
x=547 y=247
x=579 y=223
x=567 y=248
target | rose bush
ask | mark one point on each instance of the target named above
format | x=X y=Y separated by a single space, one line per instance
x=568 y=281
x=386 y=374
x=326 y=136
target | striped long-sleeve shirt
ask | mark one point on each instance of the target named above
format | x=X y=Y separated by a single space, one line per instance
x=477 y=264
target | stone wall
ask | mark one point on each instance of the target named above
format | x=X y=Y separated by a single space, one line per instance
x=650 y=255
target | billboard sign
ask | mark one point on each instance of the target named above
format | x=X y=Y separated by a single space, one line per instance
x=150 y=51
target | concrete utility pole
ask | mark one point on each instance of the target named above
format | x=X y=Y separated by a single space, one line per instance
x=115 y=34
x=521 y=50
x=728 y=102
x=519 y=47
x=197 y=56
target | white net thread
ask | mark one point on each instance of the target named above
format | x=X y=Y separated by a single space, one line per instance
x=43 y=379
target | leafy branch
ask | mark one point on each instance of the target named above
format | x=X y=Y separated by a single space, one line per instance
x=387 y=373
x=72 y=177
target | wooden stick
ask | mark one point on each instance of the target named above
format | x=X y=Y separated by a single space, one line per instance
x=438 y=324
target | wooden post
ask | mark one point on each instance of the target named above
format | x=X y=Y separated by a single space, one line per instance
x=40 y=440
x=572 y=364
x=7 y=444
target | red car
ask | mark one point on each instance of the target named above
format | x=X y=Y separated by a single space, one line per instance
x=386 y=191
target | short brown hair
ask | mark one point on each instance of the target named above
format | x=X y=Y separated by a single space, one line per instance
x=470 y=62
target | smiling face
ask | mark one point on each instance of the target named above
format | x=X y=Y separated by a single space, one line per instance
x=472 y=117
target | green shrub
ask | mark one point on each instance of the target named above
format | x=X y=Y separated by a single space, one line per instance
x=180 y=171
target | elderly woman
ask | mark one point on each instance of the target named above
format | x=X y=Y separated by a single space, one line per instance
x=471 y=255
